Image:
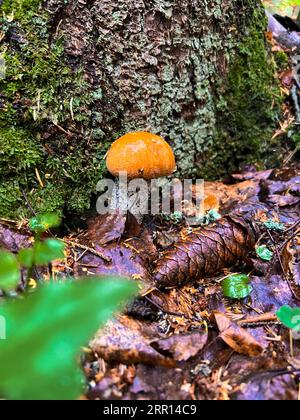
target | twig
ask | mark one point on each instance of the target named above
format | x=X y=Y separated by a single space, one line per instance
x=293 y=226
x=291 y=155
x=77 y=259
x=8 y=221
x=62 y=129
x=86 y=248
x=271 y=373
x=28 y=203
x=268 y=317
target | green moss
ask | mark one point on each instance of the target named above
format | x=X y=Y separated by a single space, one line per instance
x=10 y=198
x=293 y=137
x=40 y=95
x=281 y=60
x=22 y=9
x=18 y=152
x=248 y=110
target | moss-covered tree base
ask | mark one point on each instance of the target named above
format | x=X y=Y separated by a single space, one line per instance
x=80 y=74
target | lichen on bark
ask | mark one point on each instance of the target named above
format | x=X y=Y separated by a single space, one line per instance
x=80 y=74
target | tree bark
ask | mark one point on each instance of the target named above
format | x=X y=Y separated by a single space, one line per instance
x=194 y=71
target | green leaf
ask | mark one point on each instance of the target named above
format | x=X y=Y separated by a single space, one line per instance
x=47 y=251
x=44 y=222
x=26 y=257
x=9 y=271
x=45 y=331
x=237 y=286
x=290 y=317
x=264 y=253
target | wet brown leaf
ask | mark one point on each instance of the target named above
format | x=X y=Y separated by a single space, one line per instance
x=173 y=384
x=221 y=196
x=254 y=176
x=106 y=228
x=12 y=239
x=287 y=77
x=283 y=200
x=236 y=337
x=129 y=341
x=261 y=378
x=268 y=387
x=181 y=347
x=129 y=258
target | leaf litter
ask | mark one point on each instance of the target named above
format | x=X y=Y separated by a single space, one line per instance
x=200 y=343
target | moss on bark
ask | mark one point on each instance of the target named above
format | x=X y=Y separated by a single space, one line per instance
x=248 y=107
x=79 y=74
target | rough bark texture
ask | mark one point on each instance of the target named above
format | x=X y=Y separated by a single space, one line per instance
x=81 y=73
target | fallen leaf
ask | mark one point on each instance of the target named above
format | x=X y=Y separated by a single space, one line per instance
x=261 y=378
x=12 y=239
x=236 y=337
x=257 y=176
x=283 y=200
x=290 y=259
x=287 y=77
x=181 y=347
x=106 y=228
x=130 y=258
x=129 y=341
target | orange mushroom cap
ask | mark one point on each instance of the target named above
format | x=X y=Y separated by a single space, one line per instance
x=141 y=155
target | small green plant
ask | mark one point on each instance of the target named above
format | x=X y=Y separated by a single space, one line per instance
x=42 y=252
x=237 y=286
x=177 y=217
x=264 y=253
x=290 y=317
x=45 y=328
x=211 y=217
x=275 y=226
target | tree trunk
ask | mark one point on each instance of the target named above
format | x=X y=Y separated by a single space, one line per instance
x=81 y=73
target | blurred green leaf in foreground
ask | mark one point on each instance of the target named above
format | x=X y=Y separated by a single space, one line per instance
x=45 y=331
x=9 y=271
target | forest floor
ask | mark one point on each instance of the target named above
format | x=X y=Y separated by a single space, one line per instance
x=201 y=344
x=198 y=342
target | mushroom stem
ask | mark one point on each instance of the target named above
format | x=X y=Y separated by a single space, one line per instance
x=131 y=197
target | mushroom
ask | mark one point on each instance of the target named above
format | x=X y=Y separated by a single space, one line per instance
x=140 y=155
